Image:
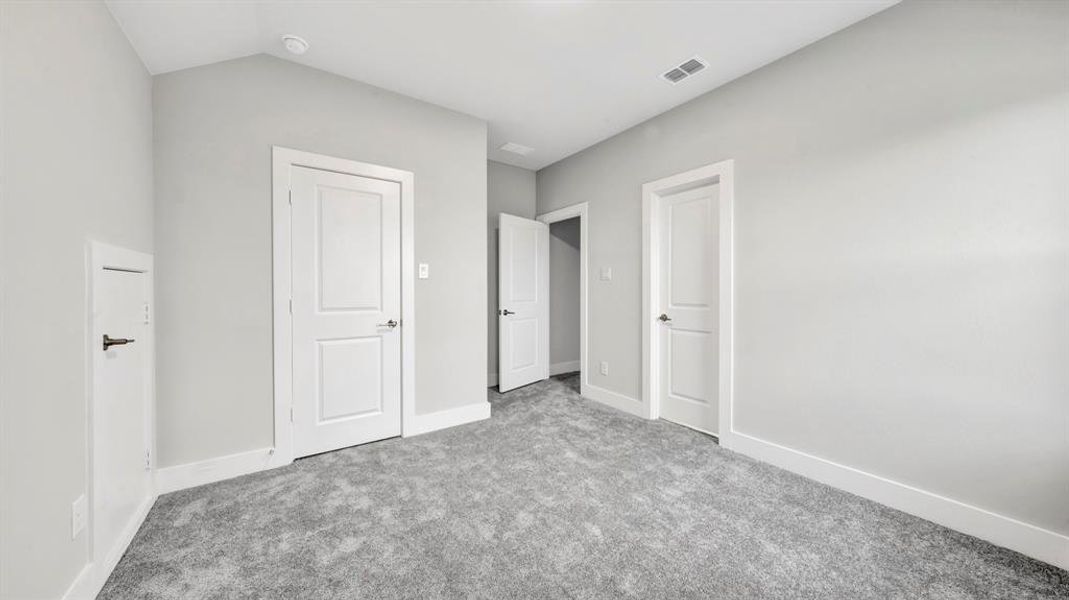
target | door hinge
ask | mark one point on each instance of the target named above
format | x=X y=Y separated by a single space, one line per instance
x=291 y=306
x=146 y=313
x=148 y=460
x=291 y=414
x=290 y=197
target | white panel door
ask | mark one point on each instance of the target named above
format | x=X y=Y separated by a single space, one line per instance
x=122 y=413
x=523 y=302
x=688 y=299
x=346 y=251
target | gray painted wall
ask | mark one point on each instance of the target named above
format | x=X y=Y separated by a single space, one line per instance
x=215 y=126
x=564 y=291
x=76 y=164
x=510 y=190
x=902 y=248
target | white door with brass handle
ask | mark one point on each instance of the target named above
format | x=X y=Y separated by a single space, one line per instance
x=346 y=252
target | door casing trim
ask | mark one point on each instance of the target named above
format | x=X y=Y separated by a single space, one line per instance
x=721 y=173
x=580 y=210
x=282 y=159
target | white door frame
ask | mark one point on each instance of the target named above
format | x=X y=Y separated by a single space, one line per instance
x=282 y=160
x=100 y=256
x=721 y=173
x=562 y=214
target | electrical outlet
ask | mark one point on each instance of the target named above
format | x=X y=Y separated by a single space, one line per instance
x=606 y=273
x=604 y=368
x=424 y=271
x=78 y=515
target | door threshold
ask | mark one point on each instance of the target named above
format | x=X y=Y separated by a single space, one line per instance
x=299 y=458
x=716 y=437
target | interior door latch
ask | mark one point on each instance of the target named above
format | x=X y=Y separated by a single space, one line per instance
x=110 y=341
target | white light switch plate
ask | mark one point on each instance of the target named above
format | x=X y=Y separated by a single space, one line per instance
x=424 y=271
x=606 y=273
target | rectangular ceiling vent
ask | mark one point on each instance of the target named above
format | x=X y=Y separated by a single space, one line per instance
x=675 y=75
x=684 y=70
x=515 y=148
x=692 y=66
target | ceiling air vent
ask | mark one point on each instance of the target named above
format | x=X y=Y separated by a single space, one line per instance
x=684 y=70
x=692 y=66
x=515 y=148
x=675 y=75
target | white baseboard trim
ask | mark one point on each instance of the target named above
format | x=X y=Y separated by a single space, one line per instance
x=103 y=571
x=82 y=586
x=93 y=576
x=615 y=400
x=180 y=477
x=448 y=418
x=1039 y=543
x=491 y=380
x=570 y=366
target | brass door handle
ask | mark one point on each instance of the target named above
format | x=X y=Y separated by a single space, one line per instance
x=391 y=324
x=110 y=341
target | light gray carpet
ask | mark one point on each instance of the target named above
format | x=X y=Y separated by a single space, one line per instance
x=554 y=497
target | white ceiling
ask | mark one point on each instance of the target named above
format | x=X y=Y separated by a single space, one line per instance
x=555 y=76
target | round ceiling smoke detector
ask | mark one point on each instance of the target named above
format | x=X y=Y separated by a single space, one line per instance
x=295 y=44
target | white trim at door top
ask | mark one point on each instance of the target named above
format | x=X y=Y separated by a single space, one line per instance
x=721 y=173
x=283 y=159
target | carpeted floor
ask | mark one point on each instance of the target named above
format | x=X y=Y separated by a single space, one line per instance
x=553 y=497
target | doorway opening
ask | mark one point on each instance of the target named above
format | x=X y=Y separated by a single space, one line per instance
x=568 y=293
x=564 y=305
x=534 y=345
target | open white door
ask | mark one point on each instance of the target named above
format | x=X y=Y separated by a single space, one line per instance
x=523 y=301
x=346 y=249
x=121 y=409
